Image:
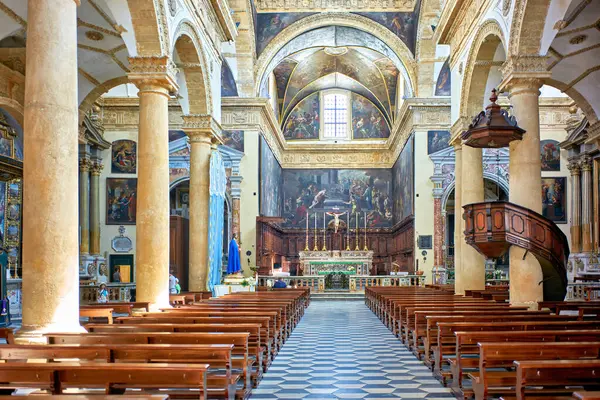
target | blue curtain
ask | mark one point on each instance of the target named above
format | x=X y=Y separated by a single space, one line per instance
x=218 y=183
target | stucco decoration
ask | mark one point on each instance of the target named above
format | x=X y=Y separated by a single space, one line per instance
x=336 y=29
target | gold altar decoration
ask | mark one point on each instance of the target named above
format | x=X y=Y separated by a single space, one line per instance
x=316 y=247
x=324 y=232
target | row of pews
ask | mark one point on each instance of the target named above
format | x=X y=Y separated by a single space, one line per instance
x=484 y=348
x=209 y=349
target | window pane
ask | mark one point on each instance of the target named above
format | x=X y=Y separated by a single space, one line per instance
x=340 y=116
x=329 y=116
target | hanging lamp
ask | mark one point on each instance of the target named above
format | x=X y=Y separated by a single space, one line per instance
x=492 y=128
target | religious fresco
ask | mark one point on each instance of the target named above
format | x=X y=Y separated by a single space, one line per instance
x=303 y=122
x=442 y=86
x=124 y=157
x=437 y=140
x=11 y=147
x=390 y=74
x=2 y=210
x=404 y=181
x=233 y=139
x=402 y=24
x=282 y=73
x=270 y=182
x=359 y=192
x=176 y=135
x=269 y=25
x=121 y=201
x=228 y=85
x=367 y=121
x=550 y=155
x=554 y=199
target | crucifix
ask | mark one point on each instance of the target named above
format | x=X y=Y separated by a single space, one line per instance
x=336 y=220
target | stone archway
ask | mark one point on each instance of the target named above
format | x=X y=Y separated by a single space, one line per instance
x=321 y=20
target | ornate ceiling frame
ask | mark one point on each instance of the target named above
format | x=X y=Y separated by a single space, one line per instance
x=336 y=19
x=257 y=114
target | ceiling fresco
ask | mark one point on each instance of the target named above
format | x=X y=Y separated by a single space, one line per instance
x=402 y=24
x=357 y=69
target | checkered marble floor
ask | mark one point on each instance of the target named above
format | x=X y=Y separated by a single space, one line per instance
x=340 y=350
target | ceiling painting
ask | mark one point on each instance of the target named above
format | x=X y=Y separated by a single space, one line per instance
x=367 y=120
x=402 y=24
x=228 y=85
x=442 y=86
x=268 y=25
x=303 y=122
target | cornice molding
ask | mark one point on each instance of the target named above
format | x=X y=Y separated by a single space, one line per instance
x=158 y=71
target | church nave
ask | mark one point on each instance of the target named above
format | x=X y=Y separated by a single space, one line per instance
x=340 y=350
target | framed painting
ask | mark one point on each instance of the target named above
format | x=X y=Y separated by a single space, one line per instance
x=550 y=155
x=554 y=199
x=437 y=140
x=124 y=157
x=121 y=201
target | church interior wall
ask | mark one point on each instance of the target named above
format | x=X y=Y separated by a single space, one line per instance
x=249 y=199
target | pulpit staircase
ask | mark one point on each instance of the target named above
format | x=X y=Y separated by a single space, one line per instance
x=492 y=227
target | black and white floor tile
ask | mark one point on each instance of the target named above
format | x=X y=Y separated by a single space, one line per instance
x=341 y=350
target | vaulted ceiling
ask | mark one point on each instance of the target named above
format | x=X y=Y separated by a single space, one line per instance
x=575 y=51
x=357 y=69
x=101 y=38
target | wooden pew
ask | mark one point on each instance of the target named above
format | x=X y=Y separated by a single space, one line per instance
x=464 y=355
x=551 y=375
x=218 y=356
x=255 y=349
x=8 y=335
x=92 y=313
x=119 y=308
x=113 y=378
x=585 y=395
x=486 y=382
x=239 y=340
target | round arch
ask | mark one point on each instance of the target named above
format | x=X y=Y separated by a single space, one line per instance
x=149 y=21
x=321 y=20
x=483 y=48
x=89 y=100
x=526 y=38
x=193 y=63
x=501 y=182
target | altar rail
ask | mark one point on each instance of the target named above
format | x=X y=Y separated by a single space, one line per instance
x=583 y=291
x=88 y=294
x=357 y=283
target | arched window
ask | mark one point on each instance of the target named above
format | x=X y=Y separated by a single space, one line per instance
x=335 y=115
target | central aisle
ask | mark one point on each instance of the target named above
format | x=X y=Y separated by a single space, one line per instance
x=340 y=350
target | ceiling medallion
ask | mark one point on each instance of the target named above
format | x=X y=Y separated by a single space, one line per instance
x=94 y=35
x=578 y=39
x=336 y=51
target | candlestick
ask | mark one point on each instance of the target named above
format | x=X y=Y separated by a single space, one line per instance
x=366 y=248
x=316 y=248
x=306 y=240
x=348 y=231
x=324 y=232
x=357 y=247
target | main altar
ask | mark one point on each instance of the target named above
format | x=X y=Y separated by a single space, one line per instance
x=352 y=262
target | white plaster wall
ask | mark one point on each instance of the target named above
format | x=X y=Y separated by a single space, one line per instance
x=249 y=198
x=424 y=211
x=108 y=232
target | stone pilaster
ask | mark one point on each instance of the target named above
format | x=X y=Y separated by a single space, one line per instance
x=236 y=195
x=523 y=77
x=575 y=170
x=459 y=224
x=84 y=204
x=96 y=170
x=50 y=176
x=586 y=204
x=155 y=78
x=202 y=130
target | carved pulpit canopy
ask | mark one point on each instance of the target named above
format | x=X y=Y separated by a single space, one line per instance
x=492 y=128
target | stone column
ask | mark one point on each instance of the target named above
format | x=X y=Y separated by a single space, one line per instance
x=587 y=241
x=155 y=78
x=473 y=263
x=575 y=169
x=50 y=176
x=97 y=167
x=438 y=232
x=459 y=224
x=84 y=204
x=523 y=77
x=201 y=129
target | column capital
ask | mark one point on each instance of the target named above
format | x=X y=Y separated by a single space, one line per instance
x=202 y=128
x=524 y=73
x=456 y=131
x=97 y=167
x=594 y=133
x=85 y=164
x=586 y=163
x=574 y=166
x=151 y=73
